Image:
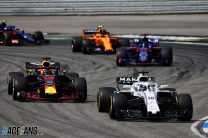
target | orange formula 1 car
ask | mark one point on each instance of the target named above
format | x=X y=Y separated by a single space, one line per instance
x=95 y=40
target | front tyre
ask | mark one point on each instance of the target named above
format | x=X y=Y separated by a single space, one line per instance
x=103 y=98
x=167 y=56
x=10 y=79
x=185 y=104
x=19 y=86
x=80 y=87
x=38 y=37
x=117 y=103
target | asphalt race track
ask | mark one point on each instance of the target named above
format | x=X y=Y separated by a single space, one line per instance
x=67 y=119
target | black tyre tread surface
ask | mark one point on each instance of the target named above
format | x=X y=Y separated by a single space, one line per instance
x=77 y=43
x=80 y=86
x=19 y=86
x=117 y=102
x=167 y=54
x=10 y=77
x=8 y=37
x=185 y=103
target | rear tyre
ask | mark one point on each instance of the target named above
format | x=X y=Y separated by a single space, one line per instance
x=185 y=104
x=117 y=103
x=10 y=78
x=19 y=86
x=80 y=87
x=76 y=44
x=6 y=38
x=167 y=56
x=103 y=98
x=121 y=54
x=86 y=46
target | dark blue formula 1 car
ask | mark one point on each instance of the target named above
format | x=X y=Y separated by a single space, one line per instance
x=11 y=36
x=145 y=51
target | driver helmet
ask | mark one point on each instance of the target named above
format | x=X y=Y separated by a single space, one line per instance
x=143 y=88
x=145 y=39
x=100 y=28
x=3 y=23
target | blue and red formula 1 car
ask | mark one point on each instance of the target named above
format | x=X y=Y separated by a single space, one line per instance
x=45 y=81
x=145 y=51
x=9 y=35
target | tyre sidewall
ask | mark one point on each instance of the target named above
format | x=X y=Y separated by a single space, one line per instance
x=103 y=98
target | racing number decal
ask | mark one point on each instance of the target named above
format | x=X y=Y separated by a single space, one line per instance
x=151 y=98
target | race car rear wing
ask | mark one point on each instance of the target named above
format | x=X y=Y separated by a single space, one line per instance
x=90 y=31
x=43 y=65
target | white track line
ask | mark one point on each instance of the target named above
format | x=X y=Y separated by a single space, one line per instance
x=186 y=43
x=194 y=125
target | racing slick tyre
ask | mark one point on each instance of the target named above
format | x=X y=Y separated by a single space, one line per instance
x=103 y=98
x=77 y=44
x=80 y=87
x=124 y=42
x=121 y=54
x=38 y=37
x=86 y=46
x=10 y=79
x=167 y=56
x=19 y=86
x=117 y=102
x=185 y=104
x=6 y=38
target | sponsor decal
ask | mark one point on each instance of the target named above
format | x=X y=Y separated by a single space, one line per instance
x=126 y=80
x=19 y=130
x=15 y=41
x=90 y=30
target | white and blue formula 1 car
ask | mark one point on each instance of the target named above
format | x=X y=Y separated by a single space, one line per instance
x=141 y=97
